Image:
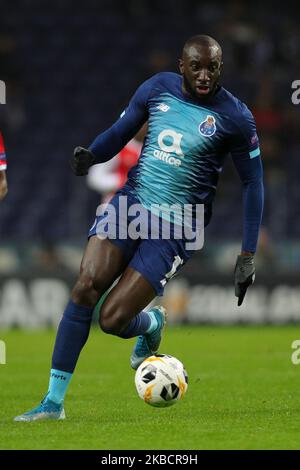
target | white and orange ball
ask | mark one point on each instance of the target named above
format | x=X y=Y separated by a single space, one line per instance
x=161 y=380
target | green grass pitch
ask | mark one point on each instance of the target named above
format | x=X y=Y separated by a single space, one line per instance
x=244 y=393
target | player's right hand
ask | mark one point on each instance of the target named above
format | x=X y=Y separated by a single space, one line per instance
x=81 y=161
x=244 y=275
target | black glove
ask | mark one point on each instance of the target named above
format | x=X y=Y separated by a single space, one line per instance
x=81 y=161
x=244 y=275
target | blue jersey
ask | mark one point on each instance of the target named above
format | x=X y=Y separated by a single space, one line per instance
x=185 y=147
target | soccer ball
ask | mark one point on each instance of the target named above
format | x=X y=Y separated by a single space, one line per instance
x=161 y=380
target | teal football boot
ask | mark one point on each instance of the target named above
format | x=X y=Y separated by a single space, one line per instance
x=46 y=410
x=147 y=345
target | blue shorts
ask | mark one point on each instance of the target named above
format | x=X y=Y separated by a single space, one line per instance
x=158 y=260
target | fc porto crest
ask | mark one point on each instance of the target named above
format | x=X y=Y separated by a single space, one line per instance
x=208 y=127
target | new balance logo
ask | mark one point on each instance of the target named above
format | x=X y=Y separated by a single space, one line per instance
x=163 y=107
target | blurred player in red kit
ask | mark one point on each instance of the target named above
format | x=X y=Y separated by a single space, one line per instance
x=3 y=181
x=107 y=178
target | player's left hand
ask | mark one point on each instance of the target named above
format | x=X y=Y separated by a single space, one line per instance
x=81 y=161
x=244 y=275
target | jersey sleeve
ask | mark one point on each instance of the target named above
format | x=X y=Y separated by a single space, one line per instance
x=244 y=141
x=246 y=157
x=2 y=154
x=110 y=142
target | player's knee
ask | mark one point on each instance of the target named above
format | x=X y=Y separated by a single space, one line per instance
x=110 y=326
x=84 y=292
x=111 y=322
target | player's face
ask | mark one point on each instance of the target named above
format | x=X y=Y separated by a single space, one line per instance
x=201 y=69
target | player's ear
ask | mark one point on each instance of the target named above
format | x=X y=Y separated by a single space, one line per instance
x=220 y=70
x=181 y=66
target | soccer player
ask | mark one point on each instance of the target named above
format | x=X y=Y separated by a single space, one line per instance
x=3 y=180
x=193 y=123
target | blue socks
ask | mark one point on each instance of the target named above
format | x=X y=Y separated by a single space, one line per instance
x=153 y=322
x=72 y=334
x=144 y=322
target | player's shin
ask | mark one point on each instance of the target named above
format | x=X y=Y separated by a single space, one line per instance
x=72 y=334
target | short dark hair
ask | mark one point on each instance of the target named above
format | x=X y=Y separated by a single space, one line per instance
x=203 y=40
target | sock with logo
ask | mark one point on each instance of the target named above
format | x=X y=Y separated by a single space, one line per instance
x=72 y=334
x=144 y=322
x=58 y=384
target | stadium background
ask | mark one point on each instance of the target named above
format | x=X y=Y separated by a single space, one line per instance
x=70 y=70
